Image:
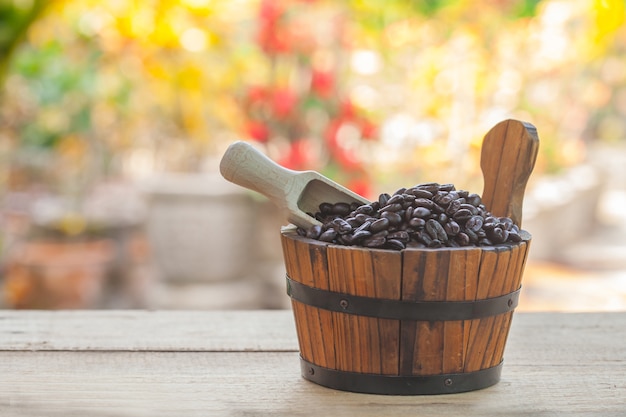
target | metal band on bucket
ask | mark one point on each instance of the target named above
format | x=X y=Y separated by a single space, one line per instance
x=400 y=385
x=401 y=309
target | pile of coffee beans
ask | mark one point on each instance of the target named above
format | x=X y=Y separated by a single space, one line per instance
x=424 y=216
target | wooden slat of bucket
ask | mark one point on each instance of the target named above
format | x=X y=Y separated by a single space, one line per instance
x=306 y=262
x=424 y=278
x=462 y=282
x=365 y=344
x=504 y=278
x=480 y=329
x=513 y=281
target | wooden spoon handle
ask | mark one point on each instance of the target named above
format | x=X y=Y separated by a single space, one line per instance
x=244 y=165
x=507 y=158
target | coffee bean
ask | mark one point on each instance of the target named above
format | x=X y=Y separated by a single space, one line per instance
x=341 y=209
x=328 y=236
x=426 y=215
x=392 y=207
x=341 y=226
x=394 y=218
x=421 y=212
x=417 y=222
x=380 y=224
x=314 y=232
x=360 y=235
x=420 y=193
x=396 y=199
x=326 y=208
x=383 y=199
x=474 y=223
x=452 y=228
x=401 y=235
x=374 y=242
x=462 y=215
x=436 y=230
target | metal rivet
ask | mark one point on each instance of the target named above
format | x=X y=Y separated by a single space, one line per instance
x=311 y=371
x=343 y=303
x=448 y=382
x=510 y=302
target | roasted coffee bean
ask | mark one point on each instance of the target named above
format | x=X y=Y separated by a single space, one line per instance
x=341 y=209
x=396 y=199
x=391 y=207
x=341 y=226
x=420 y=193
x=362 y=218
x=422 y=212
x=433 y=187
x=452 y=228
x=473 y=237
x=380 y=224
x=417 y=222
x=462 y=215
x=426 y=215
x=360 y=235
x=328 y=236
x=514 y=236
x=395 y=244
x=401 y=235
x=394 y=218
x=506 y=222
x=383 y=199
x=314 y=231
x=498 y=235
x=326 y=208
x=453 y=207
x=365 y=209
x=408 y=214
x=374 y=242
x=423 y=202
x=436 y=230
x=474 y=223
x=463 y=239
x=352 y=221
x=469 y=207
x=490 y=222
x=473 y=199
x=424 y=237
x=364 y=226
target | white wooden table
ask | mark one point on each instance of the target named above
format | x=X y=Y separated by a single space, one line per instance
x=245 y=363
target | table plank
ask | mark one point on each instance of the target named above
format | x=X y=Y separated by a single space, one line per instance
x=246 y=364
x=268 y=383
x=138 y=330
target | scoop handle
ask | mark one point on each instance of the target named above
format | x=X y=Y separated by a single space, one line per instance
x=508 y=156
x=244 y=165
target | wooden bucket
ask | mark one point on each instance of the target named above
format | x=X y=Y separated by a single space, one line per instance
x=416 y=321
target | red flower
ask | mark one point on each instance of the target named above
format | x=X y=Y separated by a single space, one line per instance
x=299 y=156
x=258 y=131
x=283 y=102
x=361 y=186
x=368 y=129
x=322 y=83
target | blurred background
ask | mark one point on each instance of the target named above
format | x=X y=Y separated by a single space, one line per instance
x=114 y=116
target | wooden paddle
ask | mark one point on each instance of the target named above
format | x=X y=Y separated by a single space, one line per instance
x=508 y=156
x=297 y=193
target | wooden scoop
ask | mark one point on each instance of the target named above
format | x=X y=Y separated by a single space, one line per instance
x=295 y=192
x=507 y=158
